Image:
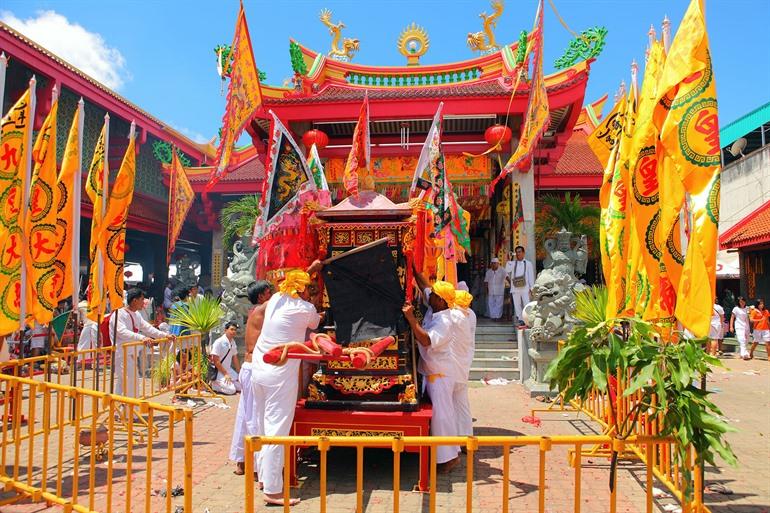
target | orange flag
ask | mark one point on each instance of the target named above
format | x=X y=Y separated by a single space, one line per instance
x=95 y=191
x=689 y=138
x=44 y=277
x=14 y=137
x=181 y=197
x=357 y=175
x=65 y=215
x=113 y=235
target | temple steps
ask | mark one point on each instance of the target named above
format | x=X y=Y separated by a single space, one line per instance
x=497 y=354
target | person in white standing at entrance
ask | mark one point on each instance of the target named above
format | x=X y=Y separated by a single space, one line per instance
x=495 y=281
x=224 y=356
x=246 y=422
x=739 y=324
x=521 y=273
x=130 y=328
x=288 y=316
x=437 y=365
x=462 y=352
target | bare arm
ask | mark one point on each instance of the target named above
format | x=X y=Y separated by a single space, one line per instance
x=421 y=280
x=419 y=333
x=254 y=328
x=732 y=323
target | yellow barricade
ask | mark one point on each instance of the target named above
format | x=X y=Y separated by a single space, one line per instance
x=544 y=444
x=98 y=461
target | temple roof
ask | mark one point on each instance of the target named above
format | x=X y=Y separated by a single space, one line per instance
x=752 y=230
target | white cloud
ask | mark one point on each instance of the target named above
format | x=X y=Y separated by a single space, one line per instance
x=83 y=49
x=192 y=134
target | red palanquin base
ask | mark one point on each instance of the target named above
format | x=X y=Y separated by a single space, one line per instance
x=313 y=422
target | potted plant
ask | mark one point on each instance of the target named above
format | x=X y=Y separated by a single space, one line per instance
x=663 y=377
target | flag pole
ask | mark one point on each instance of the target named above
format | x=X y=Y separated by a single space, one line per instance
x=3 y=67
x=99 y=256
x=23 y=212
x=76 y=214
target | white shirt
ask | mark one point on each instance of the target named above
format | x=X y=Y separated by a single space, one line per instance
x=224 y=348
x=425 y=300
x=287 y=319
x=465 y=346
x=437 y=358
x=521 y=269
x=741 y=318
x=131 y=327
x=495 y=281
x=716 y=323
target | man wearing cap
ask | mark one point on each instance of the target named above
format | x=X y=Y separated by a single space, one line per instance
x=462 y=353
x=440 y=372
x=495 y=281
x=288 y=317
x=522 y=276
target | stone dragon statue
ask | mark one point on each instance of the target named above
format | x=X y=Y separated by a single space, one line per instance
x=240 y=274
x=349 y=45
x=484 y=41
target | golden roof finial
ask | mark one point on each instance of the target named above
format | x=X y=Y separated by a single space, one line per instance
x=349 y=46
x=484 y=41
x=413 y=43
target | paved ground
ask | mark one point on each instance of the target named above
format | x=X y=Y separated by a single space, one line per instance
x=743 y=391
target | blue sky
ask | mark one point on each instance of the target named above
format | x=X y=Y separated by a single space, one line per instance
x=159 y=53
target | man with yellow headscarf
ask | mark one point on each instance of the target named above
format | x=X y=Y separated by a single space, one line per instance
x=289 y=316
x=436 y=338
x=462 y=353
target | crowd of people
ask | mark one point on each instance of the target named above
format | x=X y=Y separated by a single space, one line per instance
x=750 y=324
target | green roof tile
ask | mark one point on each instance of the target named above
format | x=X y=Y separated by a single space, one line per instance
x=745 y=124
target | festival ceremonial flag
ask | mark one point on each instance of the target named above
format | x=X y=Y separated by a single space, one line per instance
x=68 y=206
x=113 y=234
x=44 y=277
x=605 y=136
x=244 y=96
x=538 y=116
x=181 y=197
x=616 y=217
x=642 y=166
x=518 y=218
x=689 y=137
x=95 y=192
x=317 y=168
x=422 y=174
x=15 y=136
x=357 y=175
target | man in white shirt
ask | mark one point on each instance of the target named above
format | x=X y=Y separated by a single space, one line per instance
x=495 y=282
x=462 y=352
x=246 y=421
x=521 y=274
x=288 y=316
x=440 y=372
x=225 y=358
x=130 y=328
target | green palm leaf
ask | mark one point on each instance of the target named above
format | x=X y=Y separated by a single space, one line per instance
x=238 y=218
x=201 y=315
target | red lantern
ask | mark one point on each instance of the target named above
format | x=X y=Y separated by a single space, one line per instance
x=497 y=136
x=316 y=137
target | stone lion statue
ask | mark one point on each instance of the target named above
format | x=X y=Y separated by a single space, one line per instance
x=554 y=298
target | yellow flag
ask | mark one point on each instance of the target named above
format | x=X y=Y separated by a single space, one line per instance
x=605 y=220
x=605 y=136
x=44 y=277
x=95 y=192
x=65 y=218
x=14 y=134
x=113 y=236
x=616 y=217
x=181 y=198
x=642 y=164
x=689 y=137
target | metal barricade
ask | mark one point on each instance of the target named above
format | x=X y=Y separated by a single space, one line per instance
x=544 y=445
x=46 y=457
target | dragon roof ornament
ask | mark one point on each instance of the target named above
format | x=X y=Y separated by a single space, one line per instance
x=341 y=49
x=484 y=41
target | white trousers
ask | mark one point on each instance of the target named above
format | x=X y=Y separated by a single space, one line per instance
x=742 y=334
x=443 y=423
x=130 y=389
x=464 y=419
x=520 y=299
x=274 y=405
x=221 y=386
x=246 y=422
x=495 y=304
